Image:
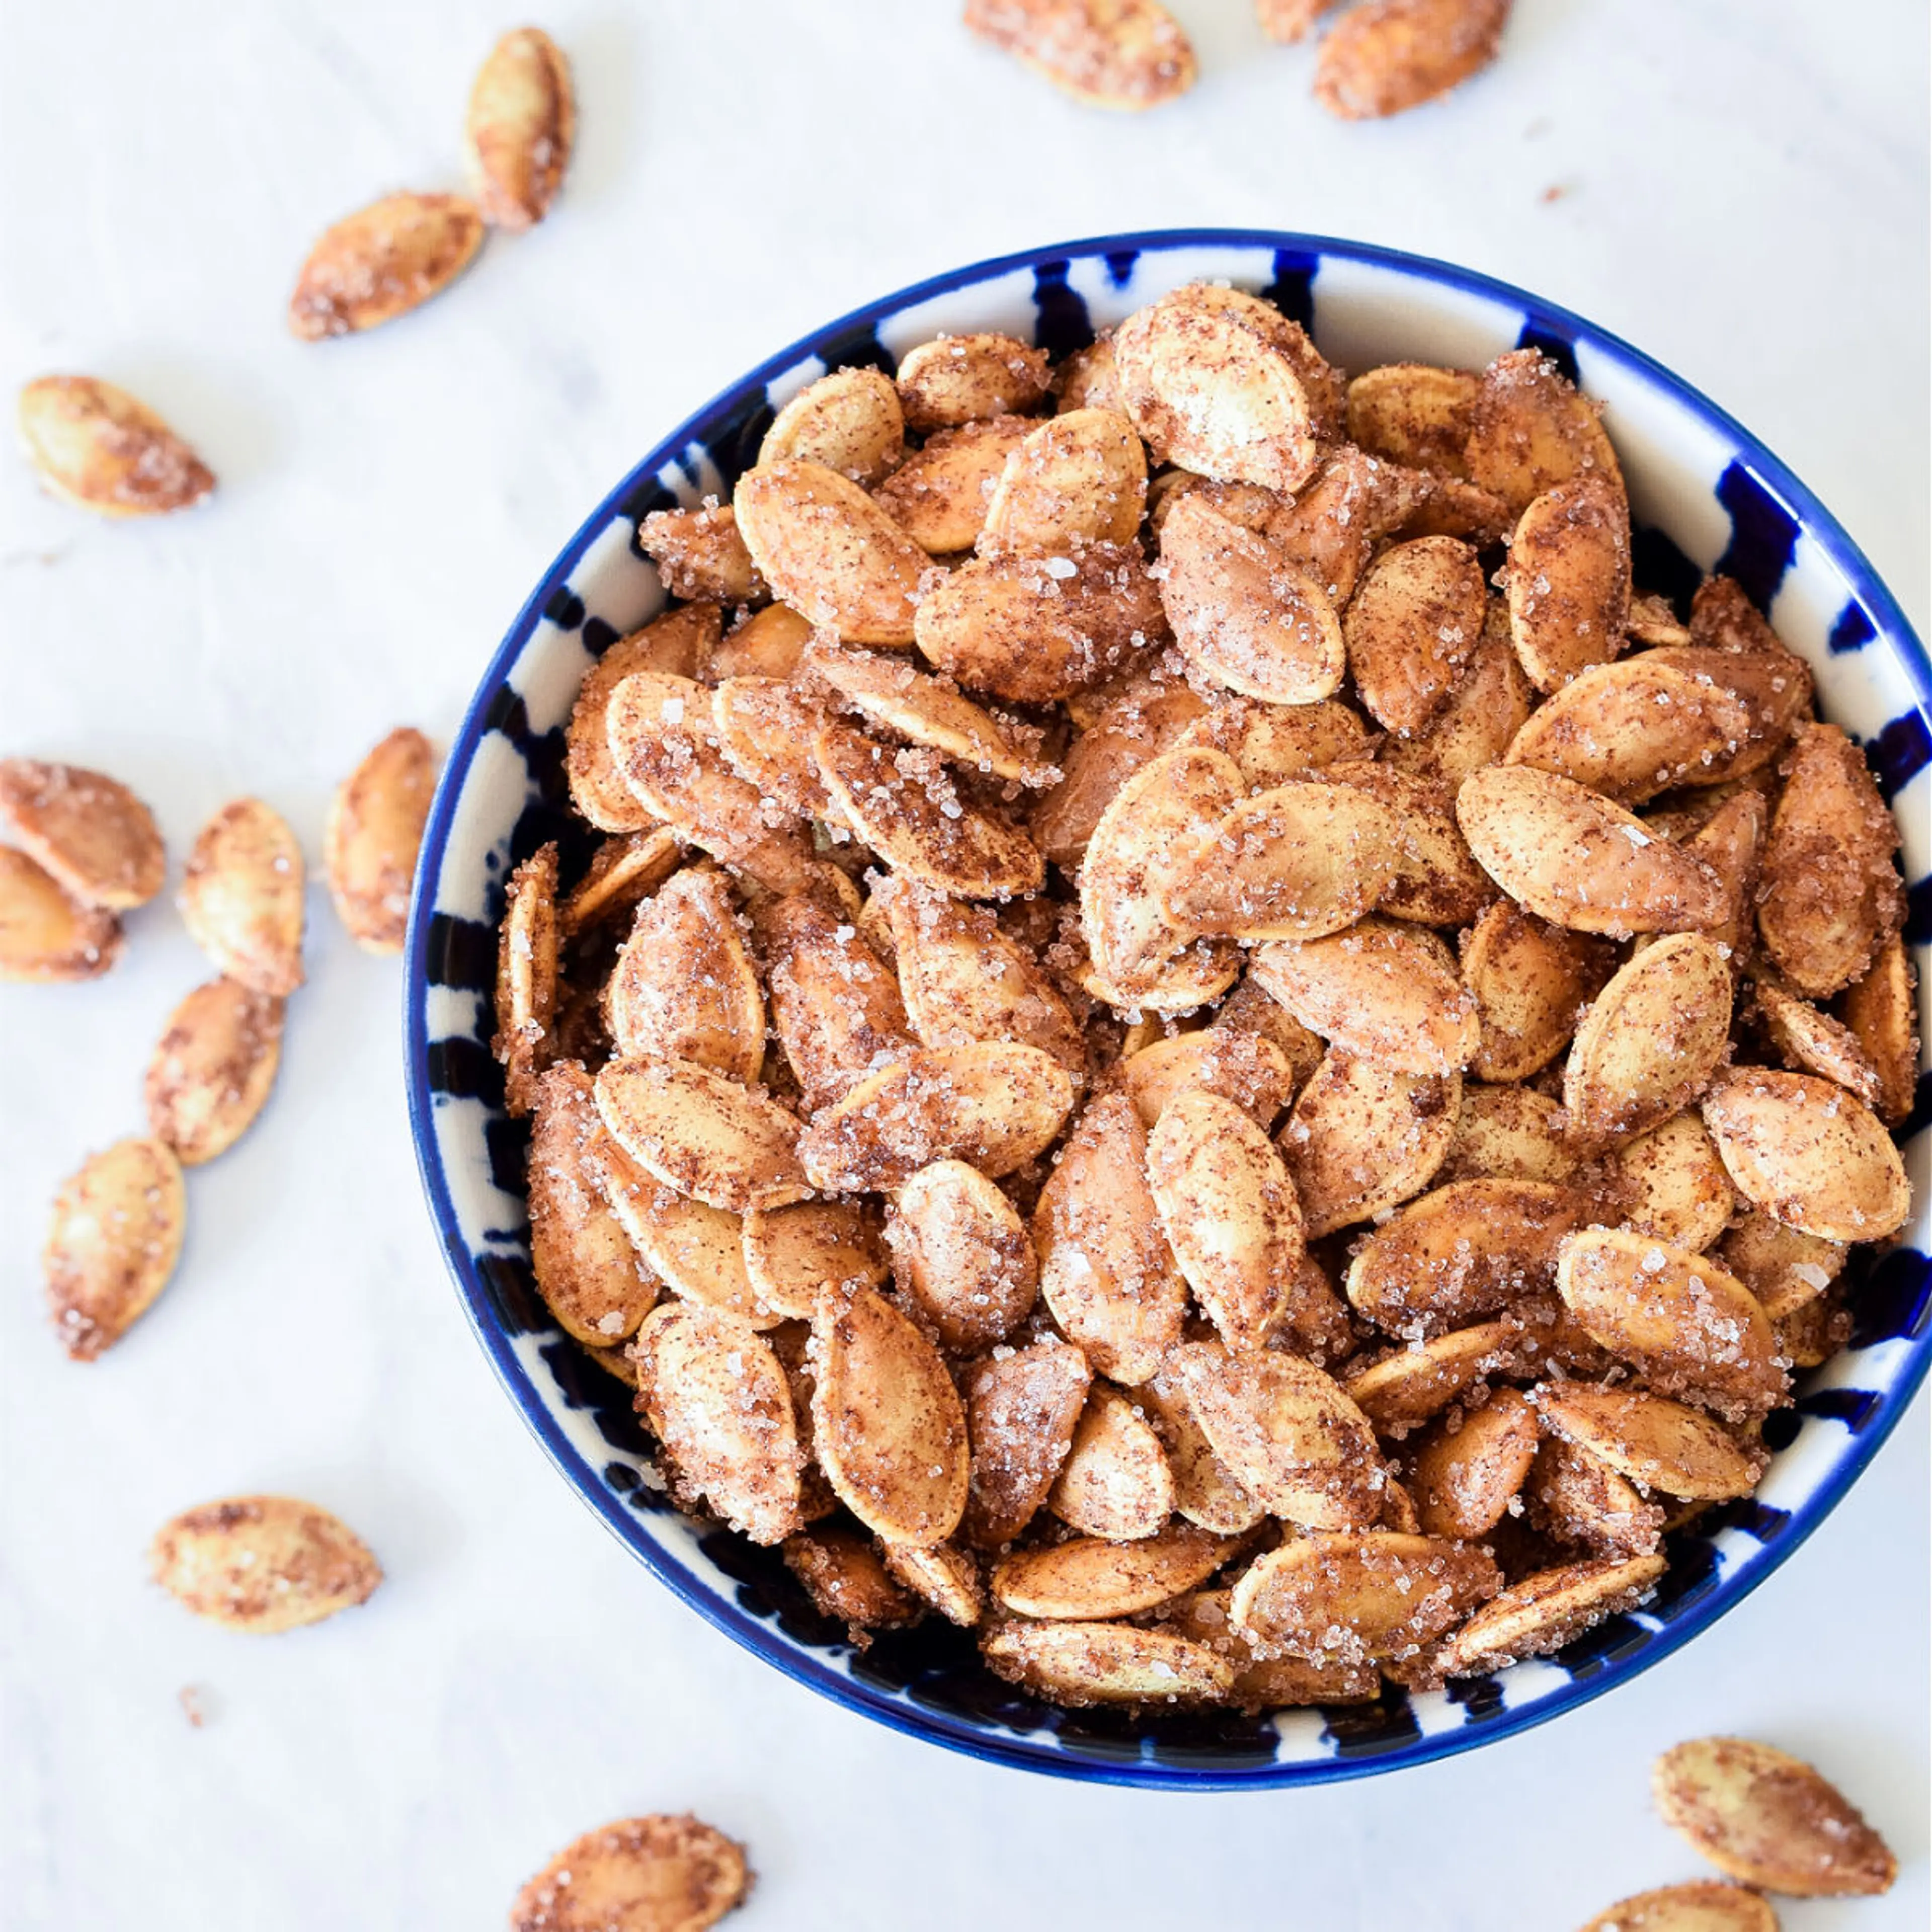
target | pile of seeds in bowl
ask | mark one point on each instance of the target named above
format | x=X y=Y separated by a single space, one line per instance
x=1149 y=1066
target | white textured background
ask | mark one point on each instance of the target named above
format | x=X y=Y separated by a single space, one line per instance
x=1743 y=194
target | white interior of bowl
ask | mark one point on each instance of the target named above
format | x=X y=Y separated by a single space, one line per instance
x=1365 y=311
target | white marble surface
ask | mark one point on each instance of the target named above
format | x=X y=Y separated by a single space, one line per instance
x=1744 y=193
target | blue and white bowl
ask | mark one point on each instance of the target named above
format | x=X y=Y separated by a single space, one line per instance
x=1704 y=495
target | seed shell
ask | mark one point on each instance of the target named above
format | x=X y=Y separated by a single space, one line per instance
x=262 y=1564
x=1769 y=1820
x=213 y=1068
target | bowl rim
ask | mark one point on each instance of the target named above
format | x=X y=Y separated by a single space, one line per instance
x=912 y=1719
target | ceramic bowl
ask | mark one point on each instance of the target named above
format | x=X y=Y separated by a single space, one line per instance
x=1705 y=494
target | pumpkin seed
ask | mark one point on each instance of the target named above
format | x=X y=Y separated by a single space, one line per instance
x=1529 y=431
x=676 y=645
x=1544 y=1611
x=1784 y=1270
x=1115 y=1482
x=1568 y=584
x=956 y=379
x=94 y=446
x=1811 y=1042
x=1412 y=624
x=887 y=1424
x=1205 y=1491
x=945 y=1579
x=1335 y=525
x=906 y=806
x=1575 y=1497
x=1465 y=1250
x=1390 y=992
x=1435 y=879
x=1808 y=1154
x=1297 y=861
x=1475 y=721
x=375 y=832
x=834 y=1002
x=938 y=495
x=906 y=703
x=703 y=1135
x=829 y=551
x=1466 y=1475
x=1579 y=860
x=1077 y=1664
x=1703 y=1906
x=1144 y=847
x=526 y=977
x=623 y=870
x=1651 y=1040
x=97 y=840
x=962 y=1256
x=845 y=1575
x=116 y=1236
x=1358 y=1597
x=1229 y=1212
x=1244 y=612
x=1672 y=1185
x=1088 y=1577
x=1106 y=1271
x=1087 y=380
x=716 y=1398
x=1363 y=1137
x=1223 y=384
x=683 y=987
x=663 y=744
x=1408 y=1386
x=213 y=1068
x=1130 y=54
x=241 y=896
x=1689 y=1326
x=1509 y=1133
x=1129 y=731
x=1080 y=478
x=1033 y=630
x=1022 y=1409
x=1385 y=59
x=965 y=980
x=1830 y=894
x=1769 y=1820
x=1532 y=983
x=521 y=124
x=262 y=1564
x=849 y=421
x=1633 y=729
x=383 y=261
x=1272 y=743
x=993 y=1104
x=1286 y=1432
x=1205 y=1617
x=701 y=559
x=1248 y=1069
x=46 y=933
x=1413 y=413
x=1771 y=684
x=588 y=1272
x=791 y=1253
x=1656 y=1444
x=765 y=728
x=670 y=1874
